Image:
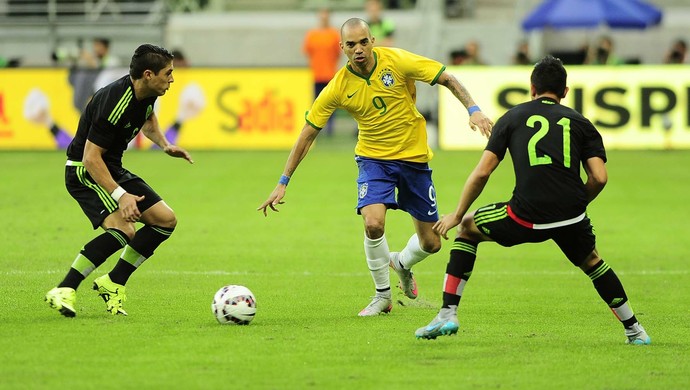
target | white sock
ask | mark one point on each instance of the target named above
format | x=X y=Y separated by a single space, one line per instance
x=412 y=253
x=623 y=312
x=377 y=259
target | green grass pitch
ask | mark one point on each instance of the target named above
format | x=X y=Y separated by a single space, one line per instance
x=528 y=319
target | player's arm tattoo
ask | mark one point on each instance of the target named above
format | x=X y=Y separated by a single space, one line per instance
x=459 y=90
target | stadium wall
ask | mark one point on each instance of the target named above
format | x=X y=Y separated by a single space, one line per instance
x=206 y=108
x=635 y=107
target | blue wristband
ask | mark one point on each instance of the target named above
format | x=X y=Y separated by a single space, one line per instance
x=284 y=180
x=473 y=109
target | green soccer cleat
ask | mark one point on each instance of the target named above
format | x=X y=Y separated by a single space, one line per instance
x=62 y=299
x=637 y=336
x=113 y=294
x=438 y=327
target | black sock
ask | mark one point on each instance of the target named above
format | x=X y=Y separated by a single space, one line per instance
x=611 y=290
x=121 y=272
x=73 y=279
x=94 y=253
x=463 y=253
x=144 y=243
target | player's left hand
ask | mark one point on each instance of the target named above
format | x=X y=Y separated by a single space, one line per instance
x=480 y=121
x=176 y=151
x=447 y=222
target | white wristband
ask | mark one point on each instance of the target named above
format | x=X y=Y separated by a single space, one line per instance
x=117 y=193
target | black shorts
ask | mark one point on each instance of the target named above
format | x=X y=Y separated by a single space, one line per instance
x=95 y=201
x=576 y=241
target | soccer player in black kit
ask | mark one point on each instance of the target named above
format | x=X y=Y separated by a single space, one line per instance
x=112 y=197
x=548 y=142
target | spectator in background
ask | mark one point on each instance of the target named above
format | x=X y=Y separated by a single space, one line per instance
x=99 y=57
x=457 y=57
x=521 y=56
x=603 y=53
x=473 y=57
x=382 y=29
x=180 y=60
x=9 y=62
x=322 y=48
x=94 y=70
x=677 y=52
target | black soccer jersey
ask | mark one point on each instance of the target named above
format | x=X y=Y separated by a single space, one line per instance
x=548 y=142
x=112 y=118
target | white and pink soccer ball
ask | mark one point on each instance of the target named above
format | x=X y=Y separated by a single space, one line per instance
x=234 y=304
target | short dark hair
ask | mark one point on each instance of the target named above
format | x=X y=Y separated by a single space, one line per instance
x=354 y=22
x=103 y=41
x=681 y=43
x=149 y=57
x=177 y=54
x=549 y=75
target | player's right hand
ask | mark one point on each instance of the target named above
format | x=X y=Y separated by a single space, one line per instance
x=447 y=222
x=128 y=207
x=273 y=200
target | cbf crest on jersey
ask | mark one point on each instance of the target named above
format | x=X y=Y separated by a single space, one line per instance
x=363 y=190
x=386 y=77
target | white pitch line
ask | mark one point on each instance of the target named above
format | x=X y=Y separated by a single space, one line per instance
x=350 y=274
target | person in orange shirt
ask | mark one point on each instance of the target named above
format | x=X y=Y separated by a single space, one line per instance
x=322 y=47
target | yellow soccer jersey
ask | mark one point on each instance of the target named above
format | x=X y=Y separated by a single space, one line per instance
x=383 y=104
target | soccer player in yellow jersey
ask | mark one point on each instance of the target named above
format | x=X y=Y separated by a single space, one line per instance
x=377 y=87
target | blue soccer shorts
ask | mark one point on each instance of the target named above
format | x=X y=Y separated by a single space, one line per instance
x=378 y=180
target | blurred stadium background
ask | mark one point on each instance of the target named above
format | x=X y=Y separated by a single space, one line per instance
x=231 y=33
x=263 y=38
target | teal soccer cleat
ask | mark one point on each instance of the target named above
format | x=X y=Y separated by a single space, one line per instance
x=637 y=336
x=438 y=327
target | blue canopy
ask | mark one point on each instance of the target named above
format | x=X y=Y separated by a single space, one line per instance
x=560 y=14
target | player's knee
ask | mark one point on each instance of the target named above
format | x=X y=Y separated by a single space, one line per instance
x=163 y=217
x=431 y=247
x=590 y=261
x=115 y=221
x=470 y=235
x=374 y=229
x=467 y=229
x=128 y=228
x=169 y=221
x=466 y=222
